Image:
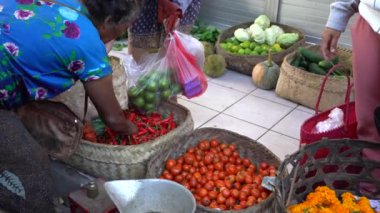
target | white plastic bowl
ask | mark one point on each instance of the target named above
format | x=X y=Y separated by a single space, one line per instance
x=150 y=196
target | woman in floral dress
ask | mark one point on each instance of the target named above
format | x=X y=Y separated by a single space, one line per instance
x=45 y=47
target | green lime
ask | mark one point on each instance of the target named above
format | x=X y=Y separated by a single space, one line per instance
x=176 y=88
x=139 y=102
x=164 y=83
x=245 y=44
x=224 y=46
x=235 y=48
x=152 y=86
x=133 y=92
x=247 y=52
x=241 y=51
x=149 y=107
x=258 y=49
x=235 y=41
x=254 y=53
x=252 y=45
x=149 y=97
x=265 y=52
x=166 y=94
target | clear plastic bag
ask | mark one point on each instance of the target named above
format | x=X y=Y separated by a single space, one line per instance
x=187 y=61
x=173 y=70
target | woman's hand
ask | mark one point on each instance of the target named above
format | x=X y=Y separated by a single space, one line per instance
x=329 y=42
x=102 y=95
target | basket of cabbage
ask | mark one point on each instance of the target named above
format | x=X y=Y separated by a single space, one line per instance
x=245 y=45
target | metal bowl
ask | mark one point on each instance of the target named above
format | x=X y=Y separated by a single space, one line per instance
x=150 y=196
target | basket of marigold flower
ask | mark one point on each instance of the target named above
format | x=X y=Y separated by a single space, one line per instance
x=341 y=180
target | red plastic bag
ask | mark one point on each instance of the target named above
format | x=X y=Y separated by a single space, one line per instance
x=348 y=130
x=186 y=56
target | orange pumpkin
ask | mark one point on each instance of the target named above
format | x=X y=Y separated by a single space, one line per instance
x=265 y=74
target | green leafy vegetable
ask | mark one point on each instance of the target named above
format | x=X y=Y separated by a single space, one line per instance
x=203 y=32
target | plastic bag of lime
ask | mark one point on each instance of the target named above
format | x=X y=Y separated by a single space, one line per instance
x=152 y=88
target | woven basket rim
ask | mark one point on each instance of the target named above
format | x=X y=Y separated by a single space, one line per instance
x=108 y=146
x=263 y=57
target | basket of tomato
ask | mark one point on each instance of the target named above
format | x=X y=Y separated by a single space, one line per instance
x=223 y=170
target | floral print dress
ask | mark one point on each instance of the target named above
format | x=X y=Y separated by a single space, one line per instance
x=45 y=48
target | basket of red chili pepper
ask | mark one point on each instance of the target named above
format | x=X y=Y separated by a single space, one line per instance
x=103 y=153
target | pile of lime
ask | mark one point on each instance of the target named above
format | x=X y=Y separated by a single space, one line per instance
x=234 y=46
x=150 y=89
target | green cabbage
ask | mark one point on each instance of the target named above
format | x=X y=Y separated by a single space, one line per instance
x=270 y=36
x=263 y=21
x=287 y=39
x=241 y=34
x=257 y=33
x=277 y=30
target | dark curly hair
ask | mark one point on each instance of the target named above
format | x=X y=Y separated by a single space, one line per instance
x=118 y=10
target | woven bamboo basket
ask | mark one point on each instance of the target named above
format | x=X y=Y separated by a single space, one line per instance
x=303 y=87
x=130 y=162
x=247 y=148
x=245 y=64
x=343 y=169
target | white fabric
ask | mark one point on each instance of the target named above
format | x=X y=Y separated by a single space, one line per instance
x=375 y=4
x=371 y=15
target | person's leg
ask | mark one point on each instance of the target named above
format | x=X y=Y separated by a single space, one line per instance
x=25 y=181
x=366 y=66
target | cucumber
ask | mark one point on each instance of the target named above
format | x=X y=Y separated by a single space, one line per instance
x=309 y=55
x=314 y=68
x=296 y=61
x=325 y=64
x=304 y=63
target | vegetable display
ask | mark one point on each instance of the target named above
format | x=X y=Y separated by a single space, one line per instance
x=151 y=89
x=218 y=177
x=323 y=199
x=314 y=62
x=258 y=38
x=149 y=128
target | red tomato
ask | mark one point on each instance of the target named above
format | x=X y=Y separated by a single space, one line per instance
x=175 y=170
x=239 y=168
x=189 y=159
x=178 y=178
x=226 y=192
x=197 y=176
x=202 y=192
x=193 y=182
x=186 y=167
x=192 y=170
x=227 y=152
x=213 y=195
x=186 y=184
x=222 y=207
x=213 y=205
x=259 y=200
x=248 y=179
x=230 y=202
x=264 y=195
x=180 y=160
x=235 y=193
x=219 y=166
x=264 y=165
x=229 y=184
x=170 y=163
x=238 y=161
x=237 y=207
x=251 y=200
x=222 y=175
x=168 y=176
x=243 y=196
x=237 y=185
x=232 y=159
x=224 y=159
x=220 y=199
x=222 y=146
x=256 y=193
x=243 y=204
x=231 y=169
x=210 y=167
x=252 y=167
x=209 y=185
x=216 y=159
x=235 y=154
x=208 y=159
x=203 y=170
x=220 y=183
x=191 y=150
x=205 y=201
x=214 y=143
x=231 y=178
x=246 y=162
x=246 y=189
x=240 y=177
x=232 y=147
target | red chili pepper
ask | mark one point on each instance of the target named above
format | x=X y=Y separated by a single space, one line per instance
x=111 y=136
x=142 y=132
x=132 y=116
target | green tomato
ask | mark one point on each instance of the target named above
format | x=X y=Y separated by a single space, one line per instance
x=164 y=83
x=166 y=94
x=149 y=97
x=139 y=102
x=133 y=92
x=152 y=86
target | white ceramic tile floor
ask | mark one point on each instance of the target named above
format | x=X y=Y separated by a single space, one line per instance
x=232 y=102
